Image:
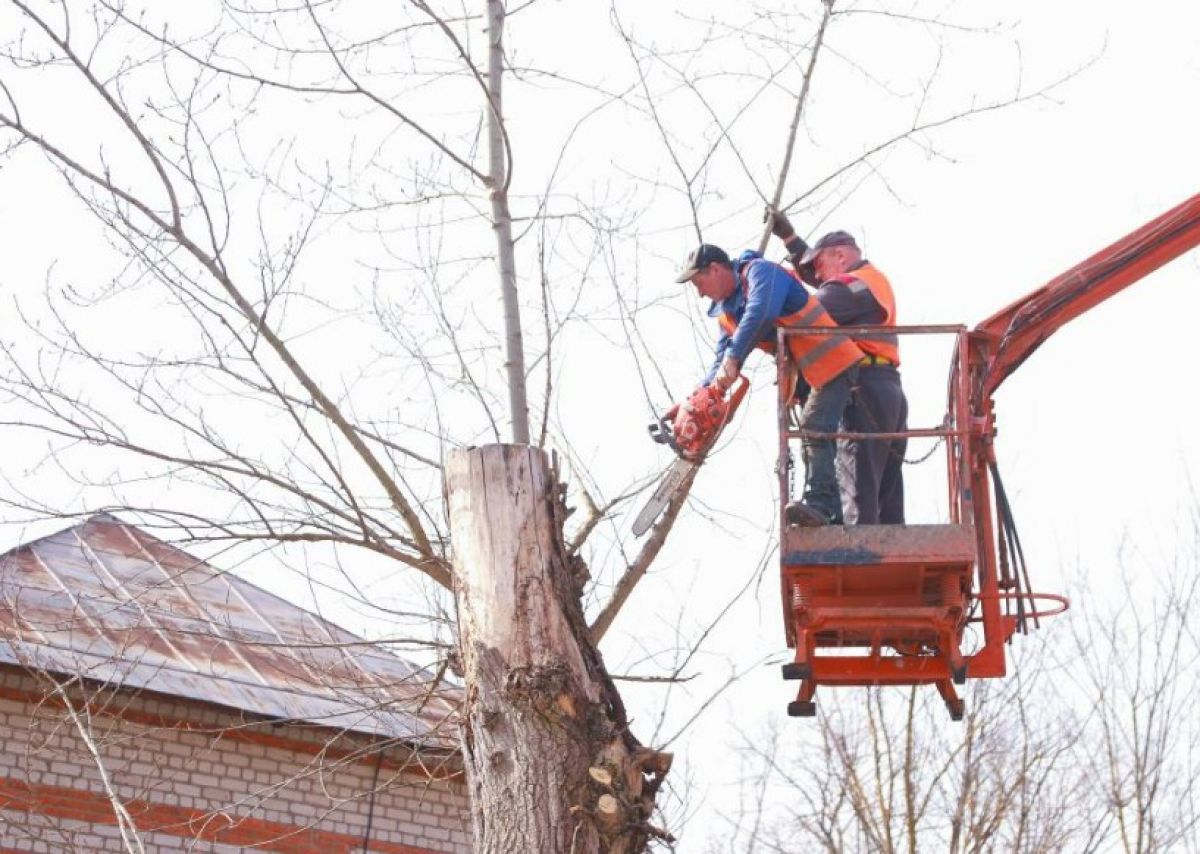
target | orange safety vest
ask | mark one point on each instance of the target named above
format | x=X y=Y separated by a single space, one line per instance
x=883 y=344
x=820 y=358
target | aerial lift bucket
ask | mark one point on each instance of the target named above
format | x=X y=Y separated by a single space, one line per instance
x=892 y=604
x=873 y=605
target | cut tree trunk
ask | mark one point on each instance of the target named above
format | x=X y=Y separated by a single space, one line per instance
x=550 y=762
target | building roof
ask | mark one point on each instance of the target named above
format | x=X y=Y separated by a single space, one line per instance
x=108 y=602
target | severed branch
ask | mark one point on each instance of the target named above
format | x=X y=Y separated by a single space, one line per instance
x=636 y=570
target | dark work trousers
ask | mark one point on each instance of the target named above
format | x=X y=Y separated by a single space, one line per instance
x=870 y=471
x=822 y=412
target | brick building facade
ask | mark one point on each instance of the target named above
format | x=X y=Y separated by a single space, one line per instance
x=167 y=733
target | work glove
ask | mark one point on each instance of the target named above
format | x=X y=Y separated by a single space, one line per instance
x=726 y=374
x=670 y=414
x=781 y=226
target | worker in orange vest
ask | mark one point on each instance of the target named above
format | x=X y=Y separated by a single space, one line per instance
x=750 y=299
x=855 y=293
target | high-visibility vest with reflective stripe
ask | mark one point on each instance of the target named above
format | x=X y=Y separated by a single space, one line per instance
x=883 y=344
x=820 y=358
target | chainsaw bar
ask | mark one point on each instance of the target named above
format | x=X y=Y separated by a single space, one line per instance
x=677 y=472
x=672 y=479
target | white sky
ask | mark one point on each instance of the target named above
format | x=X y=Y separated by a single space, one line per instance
x=1097 y=438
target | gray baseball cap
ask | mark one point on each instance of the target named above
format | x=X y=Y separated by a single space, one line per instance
x=833 y=238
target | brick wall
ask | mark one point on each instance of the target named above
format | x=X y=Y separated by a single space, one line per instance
x=197 y=777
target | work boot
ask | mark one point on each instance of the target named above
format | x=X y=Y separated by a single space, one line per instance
x=805 y=515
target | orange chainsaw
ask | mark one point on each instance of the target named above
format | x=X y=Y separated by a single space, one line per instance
x=690 y=429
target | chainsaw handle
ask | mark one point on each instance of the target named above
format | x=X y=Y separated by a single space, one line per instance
x=660 y=431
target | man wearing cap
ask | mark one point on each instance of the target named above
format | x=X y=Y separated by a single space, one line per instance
x=855 y=293
x=750 y=299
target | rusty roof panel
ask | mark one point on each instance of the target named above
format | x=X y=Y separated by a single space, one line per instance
x=108 y=601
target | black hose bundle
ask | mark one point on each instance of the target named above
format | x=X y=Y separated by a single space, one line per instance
x=1016 y=578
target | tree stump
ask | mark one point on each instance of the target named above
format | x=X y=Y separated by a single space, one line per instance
x=541 y=715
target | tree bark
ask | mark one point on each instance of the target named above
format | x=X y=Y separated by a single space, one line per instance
x=550 y=762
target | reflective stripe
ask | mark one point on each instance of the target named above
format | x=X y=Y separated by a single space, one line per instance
x=810 y=315
x=729 y=325
x=837 y=350
x=884 y=344
x=880 y=288
x=821 y=349
x=816 y=316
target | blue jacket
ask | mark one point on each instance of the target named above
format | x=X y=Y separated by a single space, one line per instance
x=765 y=293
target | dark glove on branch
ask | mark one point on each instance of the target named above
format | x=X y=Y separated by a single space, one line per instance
x=781 y=226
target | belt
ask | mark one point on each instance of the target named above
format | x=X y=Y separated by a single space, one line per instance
x=876 y=360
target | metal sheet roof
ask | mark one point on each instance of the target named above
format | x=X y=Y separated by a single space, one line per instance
x=111 y=603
